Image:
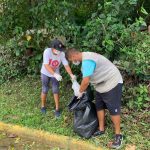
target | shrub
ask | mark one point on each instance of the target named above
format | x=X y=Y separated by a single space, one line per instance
x=136 y=98
x=135 y=58
x=27 y=28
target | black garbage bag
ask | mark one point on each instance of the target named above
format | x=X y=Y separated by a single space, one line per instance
x=90 y=93
x=85 y=117
x=78 y=104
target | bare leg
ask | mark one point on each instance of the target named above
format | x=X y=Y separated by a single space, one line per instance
x=56 y=98
x=116 y=122
x=43 y=99
x=101 y=117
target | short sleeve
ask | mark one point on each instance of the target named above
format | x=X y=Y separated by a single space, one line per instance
x=46 y=56
x=63 y=59
x=88 y=67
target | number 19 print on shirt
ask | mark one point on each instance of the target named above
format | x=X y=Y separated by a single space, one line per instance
x=54 y=63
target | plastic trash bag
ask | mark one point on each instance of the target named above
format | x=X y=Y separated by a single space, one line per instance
x=75 y=87
x=85 y=116
x=90 y=93
x=78 y=104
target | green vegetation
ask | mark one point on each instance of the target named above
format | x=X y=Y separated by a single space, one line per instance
x=20 y=104
x=111 y=28
x=107 y=27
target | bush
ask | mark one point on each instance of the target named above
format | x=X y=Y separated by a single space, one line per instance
x=14 y=14
x=135 y=59
x=107 y=29
x=8 y=65
x=136 y=98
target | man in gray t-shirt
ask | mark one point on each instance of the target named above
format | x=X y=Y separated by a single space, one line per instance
x=52 y=59
x=107 y=82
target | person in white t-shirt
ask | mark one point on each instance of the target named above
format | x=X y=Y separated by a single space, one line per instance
x=52 y=58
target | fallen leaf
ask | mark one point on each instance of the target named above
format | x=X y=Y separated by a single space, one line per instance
x=28 y=37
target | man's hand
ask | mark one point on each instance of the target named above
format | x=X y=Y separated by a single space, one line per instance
x=58 y=76
x=79 y=95
x=73 y=77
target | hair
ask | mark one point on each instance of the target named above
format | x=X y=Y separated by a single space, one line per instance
x=71 y=51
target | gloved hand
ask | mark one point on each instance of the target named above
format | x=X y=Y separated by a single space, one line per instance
x=79 y=94
x=58 y=76
x=73 y=77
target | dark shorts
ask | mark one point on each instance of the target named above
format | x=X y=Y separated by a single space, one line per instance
x=110 y=100
x=45 y=84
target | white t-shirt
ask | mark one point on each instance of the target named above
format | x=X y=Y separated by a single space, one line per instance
x=53 y=60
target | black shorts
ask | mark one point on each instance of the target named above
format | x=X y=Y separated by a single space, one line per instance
x=110 y=100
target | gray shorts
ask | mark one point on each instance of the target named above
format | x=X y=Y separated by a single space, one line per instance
x=46 y=84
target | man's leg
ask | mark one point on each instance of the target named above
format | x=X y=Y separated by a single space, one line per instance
x=100 y=107
x=116 y=122
x=101 y=119
x=113 y=102
x=118 y=136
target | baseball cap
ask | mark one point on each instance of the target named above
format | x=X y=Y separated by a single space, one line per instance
x=57 y=45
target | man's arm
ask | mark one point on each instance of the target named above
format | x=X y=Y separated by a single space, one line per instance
x=84 y=84
x=88 y=67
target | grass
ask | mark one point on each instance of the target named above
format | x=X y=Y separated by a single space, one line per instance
x=20 y=104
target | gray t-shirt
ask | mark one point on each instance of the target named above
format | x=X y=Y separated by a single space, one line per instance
x=54 y=61
x=106 y=75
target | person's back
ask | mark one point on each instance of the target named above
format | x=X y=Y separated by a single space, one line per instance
x=106 y=75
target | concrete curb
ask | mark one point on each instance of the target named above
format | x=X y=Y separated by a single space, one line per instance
x=54 y=140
